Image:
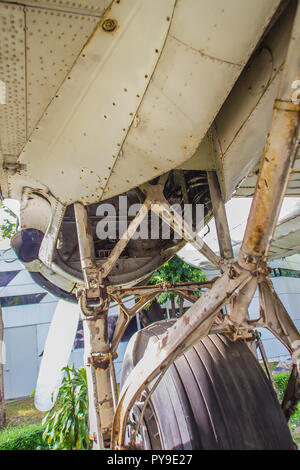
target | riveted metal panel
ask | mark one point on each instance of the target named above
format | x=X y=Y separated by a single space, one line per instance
x=222 y=30
x=81 y=133
x=174 y=115
x=138 y=100
x=188 y=87
x=252 y=84
x=12 y=74
x=243 y=121
x=54 y=40
x=90 y=7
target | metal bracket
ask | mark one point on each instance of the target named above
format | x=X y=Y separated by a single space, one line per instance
x=92 y=311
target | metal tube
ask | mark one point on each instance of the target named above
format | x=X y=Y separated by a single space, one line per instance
x=240 y=304
x=220 y=216
x=101 y=365
x=97 y=347
x=94 y=416
x=277 y=161
x=86 y=246
x=278 y=321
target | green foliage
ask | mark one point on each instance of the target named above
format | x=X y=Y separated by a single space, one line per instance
x=281 y=381
x=67 y=423
x=175 y=270
x=25 y=438
x=8 y=227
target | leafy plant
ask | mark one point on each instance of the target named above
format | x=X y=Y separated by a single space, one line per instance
x=8 y=227
x=67 y=423
x=281 y=381
x=175 y=270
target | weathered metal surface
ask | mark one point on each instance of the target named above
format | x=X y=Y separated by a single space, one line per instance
x=197 y=67
x=90 y=271
x=275 y=318
x=101 y=391
x=240 y=303
x=258 y=233
x=46 y=253
x=163 y=73
x=96 y=329
x=88 y=8
x=152 y=117
x=244 y=120
x=12 y=73
x=279 y=155
x=271 y=184
x=220 y=216
x=40 y=41
x=96 y=102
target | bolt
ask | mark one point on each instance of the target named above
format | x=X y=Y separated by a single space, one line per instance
x=109 y=25
x=233 y=274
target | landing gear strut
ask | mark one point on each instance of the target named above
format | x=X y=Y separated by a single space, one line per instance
x=236 y=285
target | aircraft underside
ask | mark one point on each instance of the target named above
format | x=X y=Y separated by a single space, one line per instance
x=130 y=115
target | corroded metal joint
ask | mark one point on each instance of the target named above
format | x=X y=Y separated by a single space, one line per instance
x=94 y=311
x=248 y=262
x=284 y=105
x=102 y=360
x=233 y=273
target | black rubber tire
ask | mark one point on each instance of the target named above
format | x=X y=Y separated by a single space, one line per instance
x=215 y=396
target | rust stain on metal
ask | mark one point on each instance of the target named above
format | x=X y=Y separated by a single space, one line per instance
x=165 y=341
x=102 y=365
x=272 y=179
x=257 y=238
x=87 y=227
